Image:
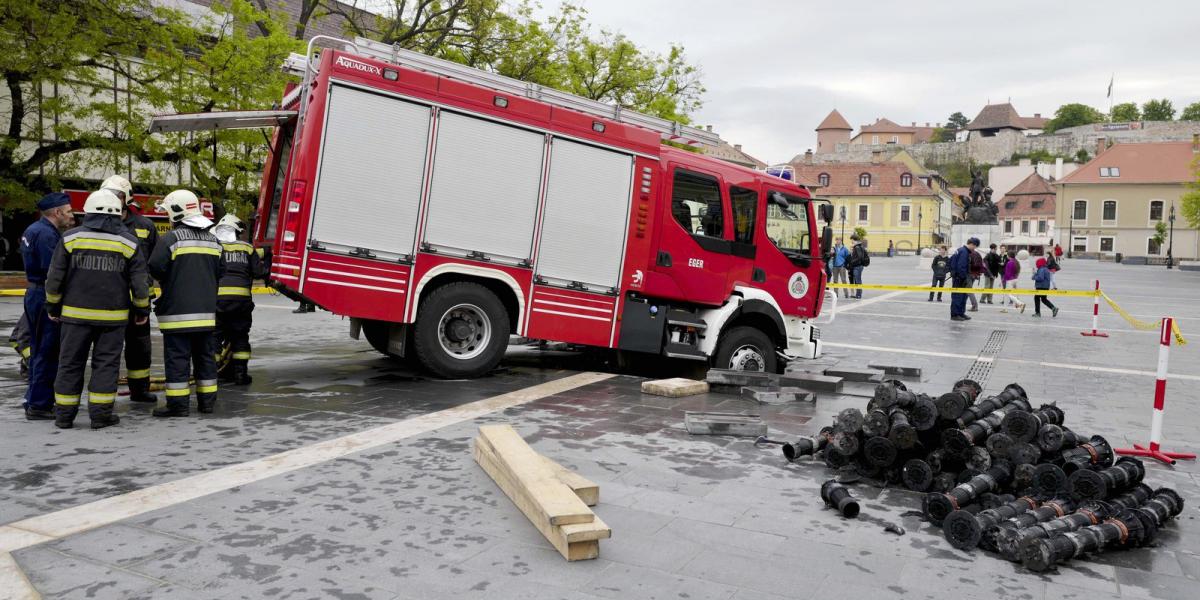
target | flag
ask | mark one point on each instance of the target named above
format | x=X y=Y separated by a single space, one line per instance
x=1110 y=83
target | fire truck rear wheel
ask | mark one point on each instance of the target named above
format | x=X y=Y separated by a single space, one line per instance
x=745 y=349
x=461 y=331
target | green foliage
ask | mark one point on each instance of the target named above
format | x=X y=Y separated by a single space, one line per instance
x=1158 y=110
x=1190 y=201
x=1160 y=233
x=861 y=232
x=1124 y=112
x=163 y=61
x=1036 y=156
x=1073 y=115
x=940 y=134
x=958 y=174
x=957 y=120
x=1082 y=156
x=1191 y=112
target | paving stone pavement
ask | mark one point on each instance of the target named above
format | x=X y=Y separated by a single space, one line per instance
x=692 y=516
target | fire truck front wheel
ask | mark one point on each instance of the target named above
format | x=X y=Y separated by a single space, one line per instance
x=745 y=349
x=461 y=331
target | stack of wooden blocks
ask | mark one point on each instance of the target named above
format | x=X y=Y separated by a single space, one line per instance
x=553 y=498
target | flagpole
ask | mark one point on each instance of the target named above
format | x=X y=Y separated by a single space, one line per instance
x=1111 y=80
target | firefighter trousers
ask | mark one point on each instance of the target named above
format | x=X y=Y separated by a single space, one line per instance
x=77 y=341
x=137 y=357
x=185 y=354
x=233 y=335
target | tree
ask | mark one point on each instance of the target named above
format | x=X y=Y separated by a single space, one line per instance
x=861 y=232
x=1160 y=233
x=940 y=134
x=64 y=62
x=1125 y=112
x=1190 y=201
x=1158 y=110
x=957 y=121
x=1191 y=112
x=1082 y=156
x=1073 y=115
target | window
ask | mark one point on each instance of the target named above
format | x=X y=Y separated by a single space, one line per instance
x=1008 y=226
x=1080 y=210
x=905 y=214
x=895 y=139
x=1042 y=226
x=1038 y=203
x=281 y=169
x=1110 y=172
x=864 y=180
x=789 y=232
x=906 y=180
x=823 y=179
x=1010 y=204
x=745 y=208
x=1156 y=210
x=875 y=140
x=1110 y=210
x=864 y=213
x=1024 y=226
x=1106 y=243
x=1079 y=244
x=696 y=204
x=1153 y=247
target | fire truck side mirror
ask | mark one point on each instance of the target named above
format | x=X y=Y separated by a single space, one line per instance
x=827 y=213
x=826 y=234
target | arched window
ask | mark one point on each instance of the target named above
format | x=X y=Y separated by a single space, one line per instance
x=864 y=180
x=823 y=179
x=906 y=180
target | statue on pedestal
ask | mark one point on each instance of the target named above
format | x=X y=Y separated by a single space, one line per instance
x=979 y=208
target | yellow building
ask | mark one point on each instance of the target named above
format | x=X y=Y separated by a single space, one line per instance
x=888 y=199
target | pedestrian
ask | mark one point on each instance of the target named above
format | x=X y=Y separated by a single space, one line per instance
x=941 y=268
x=38 y=244
x=21 y=339
x=859 y=260
x=891 y=249
x=235 y=304
x=960 y=273
x=1012 y=270
x=187 y=262
x=976 y=268
x=1053 y=266
x=839 y=262
x=1058 y=251
x=1041 y=281
x=991 y=272
x=137 y=334
x=97 y=278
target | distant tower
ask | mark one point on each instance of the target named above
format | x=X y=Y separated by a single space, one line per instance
x=832 y=131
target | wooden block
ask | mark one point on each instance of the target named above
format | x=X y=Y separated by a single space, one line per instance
x=898 y=370
x=559 y=505
x=701 y=423
x=676 y=387
x=852 y=374
x=812 y=381
x=577 y=541
x=585 y=488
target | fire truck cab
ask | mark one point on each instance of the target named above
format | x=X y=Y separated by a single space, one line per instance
x=444 y=209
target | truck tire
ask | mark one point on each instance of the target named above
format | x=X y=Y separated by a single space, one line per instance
x=377 y=333
x=745 y=349
x=461 y=331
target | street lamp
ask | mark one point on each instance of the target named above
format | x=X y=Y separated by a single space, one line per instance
x=843 y=215
x=918 y=231
x=1171 y=238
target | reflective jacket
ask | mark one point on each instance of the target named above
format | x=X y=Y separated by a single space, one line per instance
x=147 y=236
x=187 y=262
x=97 y=275
x=242 y=267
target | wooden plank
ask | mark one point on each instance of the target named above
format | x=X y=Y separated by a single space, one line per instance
x=585 y=488
x=568 y=540
x=676 y=387
x=557 y=503
x=574 y=532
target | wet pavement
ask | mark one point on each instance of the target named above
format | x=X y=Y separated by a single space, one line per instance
x=692 y=516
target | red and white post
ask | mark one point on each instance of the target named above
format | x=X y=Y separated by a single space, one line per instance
x=1095 y=332
x=1160 y=396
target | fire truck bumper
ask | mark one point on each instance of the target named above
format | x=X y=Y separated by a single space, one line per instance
x=804 y=339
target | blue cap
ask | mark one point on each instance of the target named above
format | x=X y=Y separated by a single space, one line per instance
x=973 y=240
x=53 y=200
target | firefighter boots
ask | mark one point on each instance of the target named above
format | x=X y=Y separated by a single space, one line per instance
x=64 y=415
x=102 y=415
x=241 y=376
x=176 y=409
x=139 y=391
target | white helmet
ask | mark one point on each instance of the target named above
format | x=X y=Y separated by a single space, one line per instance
x=179 y=205
x=231 y=220
x=102 y=202
x=115 y=184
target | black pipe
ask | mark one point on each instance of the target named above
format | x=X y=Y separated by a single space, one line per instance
x=836 y=495
x=1024 y=425
x=1133 y=498
x=977 y=458
x=1010 y=403
x=942 y=482
x=850 y=420
x=1051 y=519
x=1024 y=453
x=938 y=505
x=846 y=442
x=876 y=423
x=1163 y=506
x=923 y=414
x=952 y=404
x=902 y=433
x=1023 y=477
x=1050 y=438
x=807 y=446
x=1097 y=485
x=998 y=444
x=1096 y=453
x=965 y=531
x=1120 y=531
x=880 y=451
x=959 y=441
x=917 y=475
x=834 y=458
x=1050 y=480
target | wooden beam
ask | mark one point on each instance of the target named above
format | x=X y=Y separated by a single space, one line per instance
x=555 y=501
x=585 y=488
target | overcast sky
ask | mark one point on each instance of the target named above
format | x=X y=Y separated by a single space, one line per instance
x=774 y=69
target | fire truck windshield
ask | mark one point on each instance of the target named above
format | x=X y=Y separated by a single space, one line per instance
x=788 y=228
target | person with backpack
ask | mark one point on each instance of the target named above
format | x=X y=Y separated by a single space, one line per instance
x=991 y=273
x=859 y=260
x=1042 y=279
x=1054 y=268
x=838 y=262
x=976 y=269
x=941 y=268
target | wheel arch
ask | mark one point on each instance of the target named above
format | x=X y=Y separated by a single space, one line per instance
x=498 y=282
x=760 y=315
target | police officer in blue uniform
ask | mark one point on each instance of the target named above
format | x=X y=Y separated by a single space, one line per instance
x=37 y=248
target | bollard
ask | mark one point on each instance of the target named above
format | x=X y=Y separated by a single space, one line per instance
x=965 y=531
x=1160 y=397
x=1123 y=530
x=1095 y=315
x=1097 y=485
x=836 y=495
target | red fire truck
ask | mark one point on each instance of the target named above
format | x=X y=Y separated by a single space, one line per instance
x=443 y=209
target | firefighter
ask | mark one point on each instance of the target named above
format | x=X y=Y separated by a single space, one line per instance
x=234 y=302
x=96 y=279
x=21 y=339
x=137 y=335
x=187 y=262
x=38 y=243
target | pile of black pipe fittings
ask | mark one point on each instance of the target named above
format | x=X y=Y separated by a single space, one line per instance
x=997 y=473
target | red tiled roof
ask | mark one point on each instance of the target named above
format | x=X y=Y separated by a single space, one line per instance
x=1033 y=185
x=1000 y=116
x=1035 y=122
x=835 y=120
x=885 y=126
x=843 y=179
x=1150 y=162
x=922 y=134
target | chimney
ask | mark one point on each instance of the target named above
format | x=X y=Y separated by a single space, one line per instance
x=1196 y=143
x=914 y=123
x=1037 y=115
x=1058 y=164
x=737 y=147
x=927 y=123
x=1101 y=145
x=708 y=127
x=877 y=156
x=808 y=156
x=937 y=124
